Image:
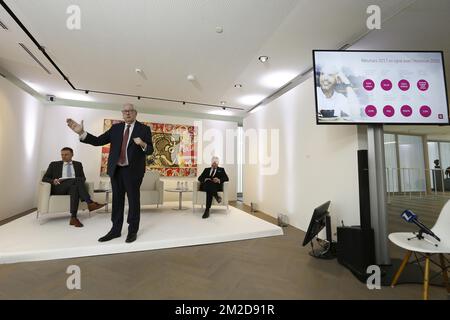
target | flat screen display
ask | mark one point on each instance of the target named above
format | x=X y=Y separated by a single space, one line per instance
x=375 y=87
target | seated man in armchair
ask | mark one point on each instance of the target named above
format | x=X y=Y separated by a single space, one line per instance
x=211 y=181
x=67 y=178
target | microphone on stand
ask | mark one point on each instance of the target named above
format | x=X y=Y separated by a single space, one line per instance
x=411 y=217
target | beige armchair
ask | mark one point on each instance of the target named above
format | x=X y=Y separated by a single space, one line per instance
x=199 y=197
x=152 y=189
x=48 y=203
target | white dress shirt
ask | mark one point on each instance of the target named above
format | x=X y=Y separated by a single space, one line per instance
x=128 y=142
x=65 y=174
x=212 y=172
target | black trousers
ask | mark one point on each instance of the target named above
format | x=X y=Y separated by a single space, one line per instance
x=124 y=181
x=76 y=189
x=211 y=190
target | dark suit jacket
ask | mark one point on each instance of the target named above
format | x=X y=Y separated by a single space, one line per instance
x=220 y=173
x=136 y=156
x=55 y=168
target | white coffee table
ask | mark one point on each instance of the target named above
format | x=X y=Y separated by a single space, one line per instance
x=180 y=197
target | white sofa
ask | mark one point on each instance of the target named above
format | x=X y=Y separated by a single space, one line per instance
x=152 y=189
x=199 y=197
x=48 y=203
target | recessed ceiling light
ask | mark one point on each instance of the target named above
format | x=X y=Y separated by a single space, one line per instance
x=263 y=58
x=223 y=103
x=219 y=29
x=238 y=85
x=190 y=77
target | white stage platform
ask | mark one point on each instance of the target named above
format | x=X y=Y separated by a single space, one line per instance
x=51 y=237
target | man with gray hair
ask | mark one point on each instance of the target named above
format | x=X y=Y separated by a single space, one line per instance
x=211 y=181
x=131 y=143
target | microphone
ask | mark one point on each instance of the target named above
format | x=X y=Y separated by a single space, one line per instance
x=411 y=217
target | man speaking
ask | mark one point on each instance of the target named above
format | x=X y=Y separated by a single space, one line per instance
x=131 y=143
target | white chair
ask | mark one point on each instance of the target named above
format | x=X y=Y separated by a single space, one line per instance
x=48 y=203
x=426 y=248
x=199 y=197
x=152 y=189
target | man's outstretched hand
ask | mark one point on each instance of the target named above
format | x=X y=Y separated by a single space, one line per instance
x=75 y=126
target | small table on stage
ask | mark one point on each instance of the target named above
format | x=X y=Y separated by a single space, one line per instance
x=107 y=192
x=180 y=197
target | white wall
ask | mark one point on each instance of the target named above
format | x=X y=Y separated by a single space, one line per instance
x=20 y=132
x=56 y=135
x=316 y=163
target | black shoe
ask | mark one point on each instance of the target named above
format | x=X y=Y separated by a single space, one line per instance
x=109 y=236
x=206 y=214
x=131 y=237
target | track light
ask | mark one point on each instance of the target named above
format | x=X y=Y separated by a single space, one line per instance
x=184 y=102
x=87 y=91
x=263 y=58
x=238 y=85
x=139 y=98
x=223 y=108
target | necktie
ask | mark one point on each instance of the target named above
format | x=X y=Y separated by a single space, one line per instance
x=69 y=170
x=213 y=172
x=123 y=148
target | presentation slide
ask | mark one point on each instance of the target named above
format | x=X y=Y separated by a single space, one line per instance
x=380 y=87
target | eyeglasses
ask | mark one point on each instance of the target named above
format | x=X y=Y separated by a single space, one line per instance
x=128 y=111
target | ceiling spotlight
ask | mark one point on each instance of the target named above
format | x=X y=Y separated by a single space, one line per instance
x=263 y=58
x=139 y=98
x=184 y=102
x=141 y=73
x=87 y=91
x=238 y=85
x=223 y=108
x=191 y=77
x=223 y=103
x=219 y=29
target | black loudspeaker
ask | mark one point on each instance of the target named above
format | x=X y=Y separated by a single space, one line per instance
x=356 y=250
x=364 y=194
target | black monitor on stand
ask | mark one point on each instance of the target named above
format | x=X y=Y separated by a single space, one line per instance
x=319 y=220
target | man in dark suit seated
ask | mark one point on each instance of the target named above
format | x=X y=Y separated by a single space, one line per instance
x=67 y=178
x=211 y=181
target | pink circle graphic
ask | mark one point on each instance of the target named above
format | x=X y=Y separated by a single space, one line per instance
x=423 y=85
x=371 y=111
x=404 y=85
x=406 y=110
x=369 y=85
x=425 y=111
x=388 y=111
x=386 y=84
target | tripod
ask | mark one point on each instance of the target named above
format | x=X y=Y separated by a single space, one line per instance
x=419 y=235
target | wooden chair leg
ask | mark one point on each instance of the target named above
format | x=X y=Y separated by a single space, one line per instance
x=444 y=272
x=401 y=268
x=426 y=276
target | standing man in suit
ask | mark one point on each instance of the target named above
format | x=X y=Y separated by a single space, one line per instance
x=67 y=178
x=131 y=143
x=211 y=181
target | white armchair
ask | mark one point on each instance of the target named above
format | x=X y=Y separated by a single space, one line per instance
x=152 y=189
x=199 y=197
x=48 y=203
x=424 y=249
